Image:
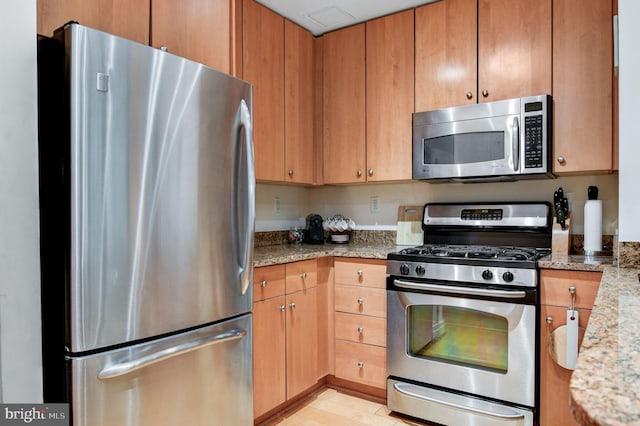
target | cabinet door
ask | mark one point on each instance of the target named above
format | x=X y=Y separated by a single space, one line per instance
x=299 y=104
x=554 y=379
x=195 y=29
x=582 y=85
x=269 y=362
x=124 y=18
x=302 y=372
x=263 y=67
x=389 y=86
x=344 y=106
x=445 y=51
x=514 y=48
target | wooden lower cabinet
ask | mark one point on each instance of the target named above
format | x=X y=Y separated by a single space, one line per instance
x=555 y=300
x=269 y=355
x=361 y=322
x=285 y=342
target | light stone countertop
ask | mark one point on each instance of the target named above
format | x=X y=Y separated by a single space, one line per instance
x=575 y=262
x=273 y=255
x=605 y=385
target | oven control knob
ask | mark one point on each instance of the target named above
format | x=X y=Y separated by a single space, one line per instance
x=404 y=269
x=507 y=277
x=420 y=270
x=487 y=274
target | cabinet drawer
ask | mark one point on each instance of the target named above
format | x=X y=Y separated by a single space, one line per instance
x=554 y=287
x=301 y=275
x=361 y=363
x=361 y=329
x=361 y=300
x=367 y=273
x=268 y=282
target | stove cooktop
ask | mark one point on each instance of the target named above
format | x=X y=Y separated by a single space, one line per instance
x=448 y=251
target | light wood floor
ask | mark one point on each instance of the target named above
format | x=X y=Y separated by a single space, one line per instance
x=334 y=408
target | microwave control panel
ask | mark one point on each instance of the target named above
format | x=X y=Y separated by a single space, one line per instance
x=533 y=135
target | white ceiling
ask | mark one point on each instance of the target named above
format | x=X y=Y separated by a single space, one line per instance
x=321 y=16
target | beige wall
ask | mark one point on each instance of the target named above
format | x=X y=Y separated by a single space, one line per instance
x=20 y=353
x=354 y=200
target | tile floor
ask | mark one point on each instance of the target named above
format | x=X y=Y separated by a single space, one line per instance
x=334 y=408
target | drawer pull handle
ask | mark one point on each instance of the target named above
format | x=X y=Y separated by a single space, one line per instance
x=360 y=300
x=303 y=275
x=549 y=320
x=360 y=364
x=360 y=272
x=282 y=308
x=292 y=305
x=263 y=283
x=360 y=330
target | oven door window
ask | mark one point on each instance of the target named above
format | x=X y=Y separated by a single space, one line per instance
x=458 y=335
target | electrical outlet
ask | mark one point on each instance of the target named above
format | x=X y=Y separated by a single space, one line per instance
x=375 y=204
x=276 y=205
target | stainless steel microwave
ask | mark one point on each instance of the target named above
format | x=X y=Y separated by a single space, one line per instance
x=493 y=141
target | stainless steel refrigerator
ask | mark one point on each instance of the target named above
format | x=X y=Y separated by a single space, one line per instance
x=147 y=217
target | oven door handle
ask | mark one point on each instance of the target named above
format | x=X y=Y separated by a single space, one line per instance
x=508 y=294
x=420 y=393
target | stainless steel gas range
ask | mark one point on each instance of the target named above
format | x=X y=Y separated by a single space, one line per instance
x=462 y=314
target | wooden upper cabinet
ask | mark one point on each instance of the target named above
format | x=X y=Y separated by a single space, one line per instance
x=513 y=56
x=124 y=18
x=299 y=104
x=583 y=86
x=514 y=48
x=389 y=96
x=344 y=106
x=445 y=54
x=263 y=67
x=195 y=29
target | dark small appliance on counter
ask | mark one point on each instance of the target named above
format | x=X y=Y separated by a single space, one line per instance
x=315 y=233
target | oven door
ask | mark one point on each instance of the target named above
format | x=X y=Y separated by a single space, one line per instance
x=483 y=147
x=477 y=344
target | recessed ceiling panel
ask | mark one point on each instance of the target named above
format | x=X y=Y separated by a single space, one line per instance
x=321 y=16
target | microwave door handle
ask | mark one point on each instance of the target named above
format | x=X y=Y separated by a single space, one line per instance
x=515 y=144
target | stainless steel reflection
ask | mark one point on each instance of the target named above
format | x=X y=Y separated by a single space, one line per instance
x=173 y=390
x=516 y=385
x=451 y=409
x=152 y=213
x=526 y=215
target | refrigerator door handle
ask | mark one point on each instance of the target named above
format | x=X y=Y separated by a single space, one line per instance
x=244 y=229
x=131 y=365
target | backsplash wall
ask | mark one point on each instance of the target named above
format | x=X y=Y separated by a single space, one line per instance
x=355 y=200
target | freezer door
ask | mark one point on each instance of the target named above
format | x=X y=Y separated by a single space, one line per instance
x=202 y=377
x=162 y=192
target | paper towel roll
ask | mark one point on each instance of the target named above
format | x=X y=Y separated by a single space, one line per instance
x=572 y=339
x=592 y=226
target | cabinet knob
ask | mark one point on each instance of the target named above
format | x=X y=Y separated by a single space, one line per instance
x=360 y=272
x=303 y=275
x=359 y=173
x=360 y=364
x=469 y=95
x=485 y=93
x=292 y=305
x=360 y=300
x=282 y=308
x=360 y=330
x=370 y=172
x=290 y=172
x=263 y=283
x=549 y=320
x=164 y=48
x=561 y=159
